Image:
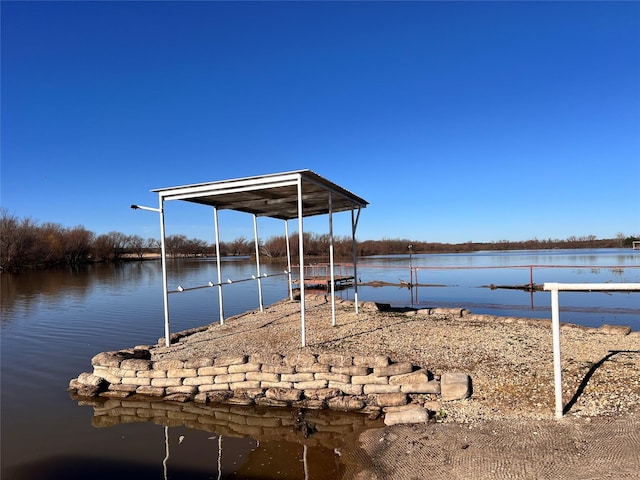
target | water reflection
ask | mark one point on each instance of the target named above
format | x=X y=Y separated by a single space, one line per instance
x=246 y=441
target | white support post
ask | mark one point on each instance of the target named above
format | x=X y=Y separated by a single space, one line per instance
x=354 y=224
x=331 y=270
x=301 y=258
x=555 y=288
x=557 y=364
x=258 y=274
x=218 y=264
x=286 y=234
x=165 y=287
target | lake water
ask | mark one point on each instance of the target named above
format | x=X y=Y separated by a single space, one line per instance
x=53 y=322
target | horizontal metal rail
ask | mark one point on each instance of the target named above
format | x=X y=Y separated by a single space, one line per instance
x=555 y=288
x=181 y=289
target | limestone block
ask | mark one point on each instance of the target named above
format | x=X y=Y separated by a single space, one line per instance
x=615 y=329
x=419 y=376
x=182 y=389
x=346 y=370
x=89 y=379
x=369 y=379
x=263 y=377
x=283 y=394
x=213 y=370
x=311 y=385
x=390 y=399
x=335 y=360
x=136 y=381
x=372 y=389
x=406 y=415
x=266 y=358
x=107 y=374
x=178 y=397
x=313 y=368
x=300 y=359
x=200 y=380
x=226 y=360
x=151 y=374
x=393 y=369
x=333 y=377
x=229 y=378
x=182 y=372
x=280 y=369
x=198 y=362
x=297 y=377
x=168 y=364
x=322 y=393
x=370 y=361
x=432 y=387
x=245 y=367
x=433 y=405
x=213 y=387
x=455 y=386
x=345 y=403
x=135 y=364
x=276 y=384
x=151 y=391
x=347 y=388
x=165 y=382
x=248 y=393
x=107 y=359
x=244 y=385
x=123 y=388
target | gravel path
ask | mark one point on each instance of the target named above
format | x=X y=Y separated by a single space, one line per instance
x=510 y=362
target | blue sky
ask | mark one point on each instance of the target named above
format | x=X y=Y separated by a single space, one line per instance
x=481 y=121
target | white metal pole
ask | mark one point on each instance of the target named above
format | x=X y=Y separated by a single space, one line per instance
x=301 y=261
x=218 y=265
x=354 y=223
x=257 y=243
x=165 y=288
x=331 y=273
x=286 y=233
x=557 y=365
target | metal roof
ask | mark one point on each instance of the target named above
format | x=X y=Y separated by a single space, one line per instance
x=274 y=195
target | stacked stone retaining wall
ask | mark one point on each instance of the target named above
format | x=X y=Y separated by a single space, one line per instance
x=365 y=383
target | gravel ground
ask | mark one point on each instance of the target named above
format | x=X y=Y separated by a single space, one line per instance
x=507 y=428
x=510 y=360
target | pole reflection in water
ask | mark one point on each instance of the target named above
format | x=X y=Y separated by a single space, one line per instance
x=266 y=442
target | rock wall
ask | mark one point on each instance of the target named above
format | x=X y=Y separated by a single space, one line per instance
x=367 y=384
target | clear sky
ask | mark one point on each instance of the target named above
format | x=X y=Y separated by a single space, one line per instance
x=480 y=121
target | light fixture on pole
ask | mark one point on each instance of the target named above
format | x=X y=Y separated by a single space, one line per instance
x=141 y=207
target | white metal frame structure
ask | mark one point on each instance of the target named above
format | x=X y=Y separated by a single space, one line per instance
x=285 y=196
x=555 y=288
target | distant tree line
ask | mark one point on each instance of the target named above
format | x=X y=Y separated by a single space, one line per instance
x=25 y=243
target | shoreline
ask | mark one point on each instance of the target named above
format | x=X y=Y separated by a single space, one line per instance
x=511 y=407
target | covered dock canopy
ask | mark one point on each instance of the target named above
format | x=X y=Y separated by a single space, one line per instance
x=285 y=196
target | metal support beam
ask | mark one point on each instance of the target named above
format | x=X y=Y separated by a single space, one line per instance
x=165 y=287
x=301 y=262
x=555 y=289
x=286 y=234
x=218 y=265
x=354 y=226
x=331 y=270
x=258 y=274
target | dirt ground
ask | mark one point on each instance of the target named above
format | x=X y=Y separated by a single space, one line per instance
x=571 y=448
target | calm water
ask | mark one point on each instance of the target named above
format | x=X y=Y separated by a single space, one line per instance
x=53 y=322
